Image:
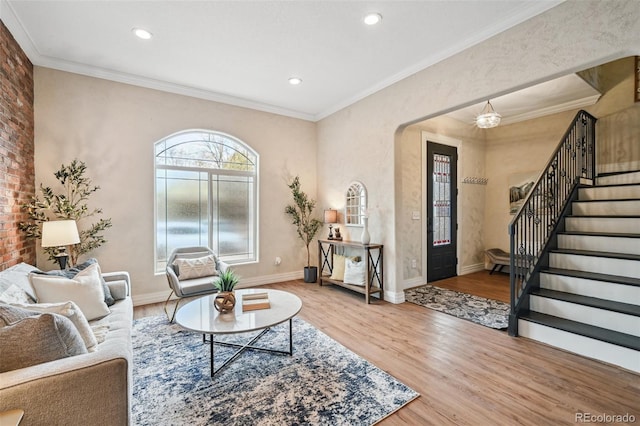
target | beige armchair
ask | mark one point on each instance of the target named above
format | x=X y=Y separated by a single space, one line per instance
x=196 y=278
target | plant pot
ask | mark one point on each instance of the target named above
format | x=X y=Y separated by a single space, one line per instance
x=310 y=274
x=224 y=302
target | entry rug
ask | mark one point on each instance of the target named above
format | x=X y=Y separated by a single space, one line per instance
x=323 y=383
x=487 y=312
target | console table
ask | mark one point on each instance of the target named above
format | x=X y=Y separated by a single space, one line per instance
x=374 y=277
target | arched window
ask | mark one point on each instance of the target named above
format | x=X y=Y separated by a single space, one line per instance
x=206 y=194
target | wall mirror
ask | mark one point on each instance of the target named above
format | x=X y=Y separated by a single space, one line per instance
x=356 y=205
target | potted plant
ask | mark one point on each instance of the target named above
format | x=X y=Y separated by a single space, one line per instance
x=306 y=226
x=71 y=203
x=225 y=300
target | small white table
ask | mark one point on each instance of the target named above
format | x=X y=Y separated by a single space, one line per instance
x=201 y=316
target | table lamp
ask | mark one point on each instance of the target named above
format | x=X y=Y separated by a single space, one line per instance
x=331 y=217
x=60 y=233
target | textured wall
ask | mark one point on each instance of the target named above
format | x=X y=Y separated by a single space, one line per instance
x=16 y=149
x=113 y=128
x=572 y=36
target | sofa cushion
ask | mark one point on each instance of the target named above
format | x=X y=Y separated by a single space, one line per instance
x=69 y=310
x=85 y=289
x=196 y=267
x=118 y=290
x=72 y=272
x=38 y=339
x=16 y=280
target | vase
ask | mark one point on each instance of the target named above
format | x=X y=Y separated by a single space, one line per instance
x=365 y=238
x=224 y=302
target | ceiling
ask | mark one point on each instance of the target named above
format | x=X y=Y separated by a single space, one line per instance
x=566 y=93
x=243 y=52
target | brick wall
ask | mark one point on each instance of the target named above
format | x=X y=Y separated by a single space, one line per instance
x=17 y=176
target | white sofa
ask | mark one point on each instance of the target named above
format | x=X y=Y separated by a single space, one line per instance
x=87 y=389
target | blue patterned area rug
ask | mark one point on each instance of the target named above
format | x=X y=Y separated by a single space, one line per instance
x=323 y=383
x=487 y=312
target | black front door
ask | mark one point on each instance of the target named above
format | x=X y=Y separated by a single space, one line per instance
x=441 y=211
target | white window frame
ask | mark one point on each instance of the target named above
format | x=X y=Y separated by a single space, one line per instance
x=254 y=214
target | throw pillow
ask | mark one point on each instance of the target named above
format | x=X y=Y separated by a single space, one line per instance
x=72 y=272
x=11 y=293
x=337 y=273
x=118 y=289
x=38 y=339
x=18 y=275
x=354 y=272
x=69 y=310
x=85 y=289
x=10 y=314
x=196 y=267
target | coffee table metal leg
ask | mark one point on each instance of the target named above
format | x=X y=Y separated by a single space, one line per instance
x=246 y=346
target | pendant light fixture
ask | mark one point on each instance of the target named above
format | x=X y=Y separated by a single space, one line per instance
x=488 y=117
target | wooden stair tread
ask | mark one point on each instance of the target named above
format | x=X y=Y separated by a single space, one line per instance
x=586 y=330
x=617 y=279
x=624 y=256
x=593 y=302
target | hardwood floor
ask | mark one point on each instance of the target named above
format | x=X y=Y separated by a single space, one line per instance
x=494 y=286
x=466 y=374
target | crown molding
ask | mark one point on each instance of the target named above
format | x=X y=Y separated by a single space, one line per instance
x=554 y=109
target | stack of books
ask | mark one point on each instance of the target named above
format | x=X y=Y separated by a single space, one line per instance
x=255 y=301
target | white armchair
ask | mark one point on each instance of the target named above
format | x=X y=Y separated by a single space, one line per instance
x=196 y=281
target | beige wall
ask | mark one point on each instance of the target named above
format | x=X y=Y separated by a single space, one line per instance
x=113 y=128
x=572 y=36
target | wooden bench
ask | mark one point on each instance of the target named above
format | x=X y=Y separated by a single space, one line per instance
x=499 y=258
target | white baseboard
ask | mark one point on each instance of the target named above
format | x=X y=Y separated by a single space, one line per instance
x=161 y=296
x=394 y=297
x=469 y=269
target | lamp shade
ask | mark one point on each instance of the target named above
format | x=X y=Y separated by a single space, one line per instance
x=330 y=216
x=58 y=233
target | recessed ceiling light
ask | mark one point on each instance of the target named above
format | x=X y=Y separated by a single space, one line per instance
x=372 y=18
x=295 y=81
x=142 y=33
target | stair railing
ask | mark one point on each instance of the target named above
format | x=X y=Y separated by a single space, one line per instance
x=535 y=222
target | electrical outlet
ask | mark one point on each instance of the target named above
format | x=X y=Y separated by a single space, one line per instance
x=414 y=263
x=277 y=261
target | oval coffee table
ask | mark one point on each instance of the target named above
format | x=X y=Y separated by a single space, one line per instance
x=200 y=315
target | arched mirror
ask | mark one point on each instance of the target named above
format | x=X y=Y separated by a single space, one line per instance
x=356 y=205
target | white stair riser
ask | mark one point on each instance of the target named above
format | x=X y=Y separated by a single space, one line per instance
x=610 y=320
x=619 y=179
x=603 y=224
x=601 y=265
x=609 y=193
x=592 y=288
x=606 y=208
x=585 y=346
x=593 y=243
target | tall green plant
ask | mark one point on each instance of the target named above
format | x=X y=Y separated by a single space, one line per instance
x=300 y=212
x=69 y=204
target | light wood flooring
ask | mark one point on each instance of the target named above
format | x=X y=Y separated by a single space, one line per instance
x=466 y=374
x=490 y=286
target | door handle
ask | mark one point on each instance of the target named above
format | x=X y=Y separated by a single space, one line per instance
x=430 y=225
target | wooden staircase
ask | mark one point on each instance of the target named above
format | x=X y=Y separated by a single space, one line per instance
x=588 y=300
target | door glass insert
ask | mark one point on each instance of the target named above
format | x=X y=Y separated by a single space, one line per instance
x=441 y=200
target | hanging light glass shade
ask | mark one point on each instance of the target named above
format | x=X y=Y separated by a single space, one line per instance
x=488 y=117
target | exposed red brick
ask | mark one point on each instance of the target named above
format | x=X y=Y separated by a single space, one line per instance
x=17 y=175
